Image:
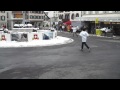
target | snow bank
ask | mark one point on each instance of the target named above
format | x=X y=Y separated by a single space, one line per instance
x=57 y=41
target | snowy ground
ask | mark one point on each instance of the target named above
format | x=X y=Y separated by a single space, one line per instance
x=57 y=41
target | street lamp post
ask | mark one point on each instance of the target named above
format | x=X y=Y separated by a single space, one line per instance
x=47 y=17
x=24 y=13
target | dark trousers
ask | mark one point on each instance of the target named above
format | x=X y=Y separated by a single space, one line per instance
x=84 y=43
x=75 y=33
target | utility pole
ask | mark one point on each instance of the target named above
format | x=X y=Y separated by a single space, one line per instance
x=81 y=19
x=24 y=19
x=47 y=17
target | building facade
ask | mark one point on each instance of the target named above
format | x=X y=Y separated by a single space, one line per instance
x=73 y=16
x=16 y=17
x=55 y=16
x=3 y=18
x=69 y=15
x=110 y=19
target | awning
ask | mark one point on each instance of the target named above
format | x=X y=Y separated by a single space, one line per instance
x=68 y=23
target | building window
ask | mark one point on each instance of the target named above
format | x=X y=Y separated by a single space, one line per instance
x=72 y=17
x=90 y=12
x=34 y=17
x=96 y=12
x=2 y=18
x=41 y=12
x=7 y=15
x=44 y=17
x=105 y=12
x=30 y=16
x=83 y=12
x=37 y=17
x=117 y=11
x=40 y=17
x=33 y=11
x=2 y=11
x=68 y=16
x=77 y=15
x=65 y=16
x=61 y=16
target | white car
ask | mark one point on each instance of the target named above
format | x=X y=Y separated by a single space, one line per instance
x=105 y=29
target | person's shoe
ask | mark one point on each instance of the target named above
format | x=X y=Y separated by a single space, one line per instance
x=89 y=49
x=81 y=49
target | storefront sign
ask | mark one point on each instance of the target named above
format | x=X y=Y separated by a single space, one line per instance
x=118 y=23
x=113 y=23
x=106 y=22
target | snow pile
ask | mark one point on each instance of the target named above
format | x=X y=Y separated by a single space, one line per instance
x=57 y=41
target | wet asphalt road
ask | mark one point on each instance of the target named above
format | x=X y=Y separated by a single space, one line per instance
x=64 y=61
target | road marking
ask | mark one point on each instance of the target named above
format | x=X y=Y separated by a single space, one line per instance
x=111 y=41
x=7 y=68
x=93 y=46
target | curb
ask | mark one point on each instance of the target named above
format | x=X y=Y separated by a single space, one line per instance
x=67 y=41
x=114 y=37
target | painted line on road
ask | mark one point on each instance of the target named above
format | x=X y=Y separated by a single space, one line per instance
x=7 y=68
x=116 y=41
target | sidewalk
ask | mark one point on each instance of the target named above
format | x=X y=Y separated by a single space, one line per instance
x=114 y=37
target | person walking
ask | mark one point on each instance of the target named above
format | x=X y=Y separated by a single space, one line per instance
x=84 y=34
x=63 y=28
x=60 y=28
x=74 y=31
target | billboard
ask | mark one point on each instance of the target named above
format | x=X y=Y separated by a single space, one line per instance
x=47 y=35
